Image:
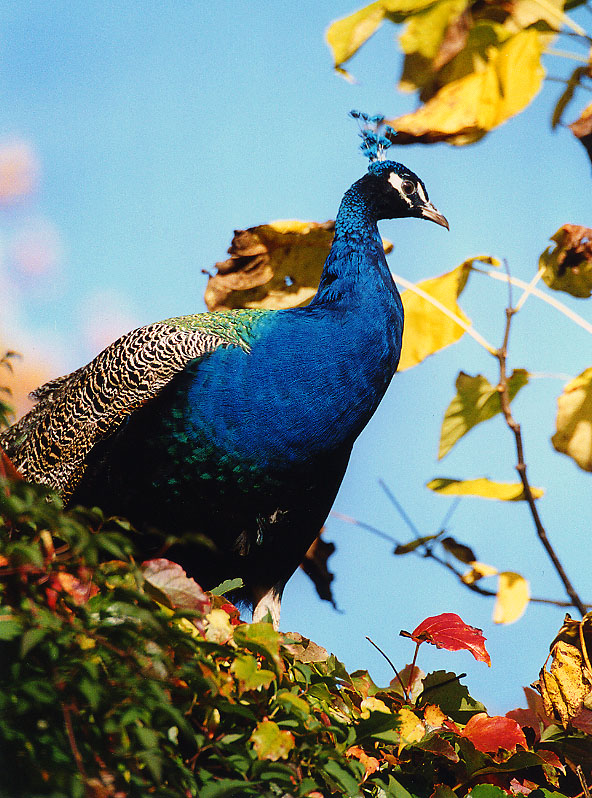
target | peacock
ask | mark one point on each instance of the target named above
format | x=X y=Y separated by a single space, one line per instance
x=237 y=426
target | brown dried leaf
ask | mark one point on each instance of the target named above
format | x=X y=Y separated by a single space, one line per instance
x=315 y=567
x=303 y=649
x=568 y=266
x=276 y=265
x=582 y=129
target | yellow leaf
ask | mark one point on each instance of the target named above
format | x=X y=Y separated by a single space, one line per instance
x=574 y=420
x=427 y=329
x=513 y=595
x=484 y=488
x=476 y=400
x=218 y=628
x=568 y=685
x=371 y=704
x=429 y=36
x=345 y=36
x=270 y=742
x=411 y=729
x=478 y=571
x=434 y=717
x=463 y=110
x=275 y=265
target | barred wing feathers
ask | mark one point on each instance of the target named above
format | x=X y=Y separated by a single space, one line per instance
x=72 y=413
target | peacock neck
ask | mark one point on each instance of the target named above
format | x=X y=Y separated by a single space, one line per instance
x=356 y=218
x=356 y=262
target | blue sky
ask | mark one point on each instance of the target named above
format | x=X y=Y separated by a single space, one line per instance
x=159 y=129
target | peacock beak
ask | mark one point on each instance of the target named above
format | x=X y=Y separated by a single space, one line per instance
x=429 y=212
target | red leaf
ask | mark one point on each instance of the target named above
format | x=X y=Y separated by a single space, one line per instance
x=7 y=468
x=64 y=582
x=449 y=631
x=168 y=583
x=233 y=612
x=583 y=721
x=551 y=758
x=490 y=734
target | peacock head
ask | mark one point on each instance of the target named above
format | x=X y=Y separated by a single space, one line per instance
x=397 y=192
x=394 y=190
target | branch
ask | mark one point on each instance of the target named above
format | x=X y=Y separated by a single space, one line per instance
x=502 y=355
x=426 y=552
x=555 y=303
x=73 y=746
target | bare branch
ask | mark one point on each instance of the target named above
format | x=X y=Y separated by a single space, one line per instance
x=502 y=355
x=426 y=552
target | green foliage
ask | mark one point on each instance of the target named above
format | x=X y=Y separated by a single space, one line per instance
x=106 y=692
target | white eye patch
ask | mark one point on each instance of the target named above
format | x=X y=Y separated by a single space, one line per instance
x=397 y=181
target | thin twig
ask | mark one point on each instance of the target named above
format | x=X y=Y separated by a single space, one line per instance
x=399 y=508
x=560 y=16
x=502 y=356
x=73 y=746
x=555 y=303
x=528 y=290
x=582 y=778
x=426 y=553
x=405 y=693
x=565 y=54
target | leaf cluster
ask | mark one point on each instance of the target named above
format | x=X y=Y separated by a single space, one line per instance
x=473 y=65
x=105 y=691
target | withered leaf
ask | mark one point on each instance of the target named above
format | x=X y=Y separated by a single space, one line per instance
x=459 y=550
x=568 y=265
x=568 y=683
x=582 y=128
x=315 y=567
x=276 y=265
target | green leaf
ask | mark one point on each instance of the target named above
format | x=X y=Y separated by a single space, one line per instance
x=488 y=791
x=228 y=788
x=343 y=778
x=227 y=586
x=271 y=742
x=396 y=789
x=263 y=639
x=574 y=420
x=483 y=488
x=445 y=691
x=10 y=627
x=476 y=401
x=292 y=703
x=30 y=639
x=250 y=676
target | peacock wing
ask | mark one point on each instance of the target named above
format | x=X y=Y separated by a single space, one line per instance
x=72 y=413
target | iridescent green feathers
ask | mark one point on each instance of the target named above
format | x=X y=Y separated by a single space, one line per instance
x=72 y=413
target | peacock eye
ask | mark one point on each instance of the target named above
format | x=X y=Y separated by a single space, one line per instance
x=407 y=187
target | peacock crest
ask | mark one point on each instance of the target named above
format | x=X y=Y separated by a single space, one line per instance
x=376 y=135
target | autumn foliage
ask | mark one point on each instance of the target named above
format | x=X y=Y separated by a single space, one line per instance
x=128 y=680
